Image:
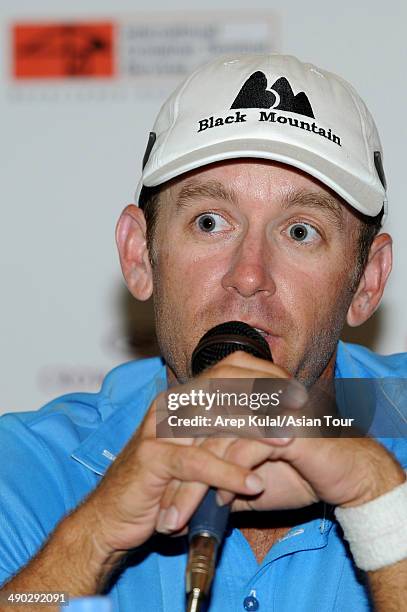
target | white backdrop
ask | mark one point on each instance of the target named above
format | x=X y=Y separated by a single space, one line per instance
x=71 y=154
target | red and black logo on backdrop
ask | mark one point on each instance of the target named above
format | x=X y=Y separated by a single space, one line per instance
x=63 y=50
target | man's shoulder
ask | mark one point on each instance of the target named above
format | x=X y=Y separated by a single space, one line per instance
x=66 y=422
x=123 y=383
x=53 y=457
x=378 y=393
x=356 y=361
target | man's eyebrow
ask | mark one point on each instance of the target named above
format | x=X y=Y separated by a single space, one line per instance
x=194 y=190
x=317 y=200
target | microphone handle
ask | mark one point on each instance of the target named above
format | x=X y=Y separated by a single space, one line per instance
x=208 y=524
x=209 y=517
x=206 y=531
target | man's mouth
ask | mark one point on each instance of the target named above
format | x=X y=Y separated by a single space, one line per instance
x=266 y=333
x=262 y=332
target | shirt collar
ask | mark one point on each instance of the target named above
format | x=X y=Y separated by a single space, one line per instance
x=125 y=396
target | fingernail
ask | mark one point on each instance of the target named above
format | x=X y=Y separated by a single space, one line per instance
x=295 y=396
x=167 y=520
x=279 y=440
x=254 y=483
x=219 y=499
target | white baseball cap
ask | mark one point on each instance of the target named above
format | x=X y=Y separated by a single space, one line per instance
x=270 y=107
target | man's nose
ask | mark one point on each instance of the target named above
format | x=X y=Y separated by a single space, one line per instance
x=249 y=270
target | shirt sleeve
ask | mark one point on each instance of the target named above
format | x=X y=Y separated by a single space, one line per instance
x=32 y=499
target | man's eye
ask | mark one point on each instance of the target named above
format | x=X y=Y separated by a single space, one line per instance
x=209 y=222
x=303 y=232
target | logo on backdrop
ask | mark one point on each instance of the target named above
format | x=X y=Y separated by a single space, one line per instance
x=63 y=50
x=255 y=94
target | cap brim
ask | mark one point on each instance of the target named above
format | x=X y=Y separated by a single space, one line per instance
x=365 y=198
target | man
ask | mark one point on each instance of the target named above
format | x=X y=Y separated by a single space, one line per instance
x=261 y=198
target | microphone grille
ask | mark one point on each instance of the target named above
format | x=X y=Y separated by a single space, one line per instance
x=224 y=339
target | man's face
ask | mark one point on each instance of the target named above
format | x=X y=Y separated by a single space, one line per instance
x=258 y=242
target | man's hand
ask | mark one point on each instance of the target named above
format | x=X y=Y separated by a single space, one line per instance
x=342 y=472
x=130 y=503
x=127 y=506
x=296 y=472
x=345 y=472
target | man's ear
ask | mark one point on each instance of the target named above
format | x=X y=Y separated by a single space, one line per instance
x=371 y=286
x=134 y=259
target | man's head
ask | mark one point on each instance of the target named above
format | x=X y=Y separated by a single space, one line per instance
x=266 y=216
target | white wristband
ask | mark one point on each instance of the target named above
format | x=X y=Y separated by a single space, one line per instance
x=377 y=531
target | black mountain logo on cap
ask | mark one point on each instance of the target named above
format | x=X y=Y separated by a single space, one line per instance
x=254 y=94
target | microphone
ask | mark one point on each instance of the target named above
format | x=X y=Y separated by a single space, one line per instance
x=208 y=524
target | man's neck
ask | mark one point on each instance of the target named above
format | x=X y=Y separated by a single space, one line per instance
x=264 y=529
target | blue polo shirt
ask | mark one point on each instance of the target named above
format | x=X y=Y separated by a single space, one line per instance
x=53 y=458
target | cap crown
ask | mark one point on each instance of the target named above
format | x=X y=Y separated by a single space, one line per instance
x=271 y=107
